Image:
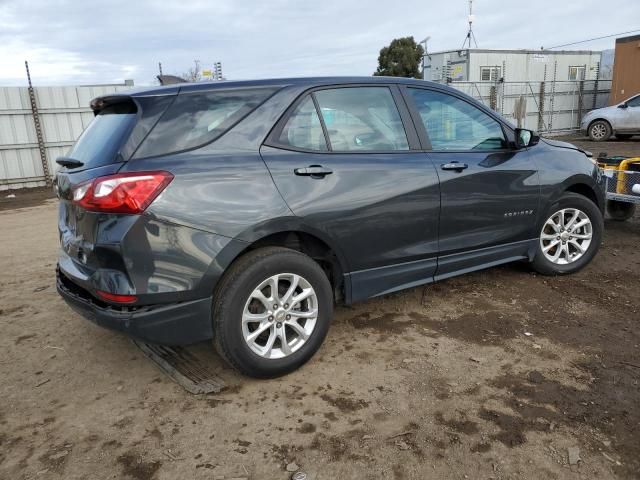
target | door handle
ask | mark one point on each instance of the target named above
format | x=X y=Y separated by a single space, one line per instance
x=454 y=166
x=316 y=171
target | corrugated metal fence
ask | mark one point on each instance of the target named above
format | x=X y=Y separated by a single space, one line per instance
x=548 y=107
x=64 y=114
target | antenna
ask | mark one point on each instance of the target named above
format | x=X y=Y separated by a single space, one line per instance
x=470 y=36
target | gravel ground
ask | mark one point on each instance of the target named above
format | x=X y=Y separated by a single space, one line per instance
x=496 y=374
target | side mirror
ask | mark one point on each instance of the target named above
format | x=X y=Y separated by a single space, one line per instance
x=526 y=138
x=623 y=105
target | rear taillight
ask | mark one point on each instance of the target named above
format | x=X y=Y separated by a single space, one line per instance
x=113 y=297
x=121 y=193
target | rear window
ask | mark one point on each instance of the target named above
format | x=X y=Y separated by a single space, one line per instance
x=99 y=143
x=195 y=119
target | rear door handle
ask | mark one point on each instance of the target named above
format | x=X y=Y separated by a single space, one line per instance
x=317 y=171
x=454 y=166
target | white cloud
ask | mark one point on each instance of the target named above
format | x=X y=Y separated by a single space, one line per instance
x=73 y=41
x=50 y=66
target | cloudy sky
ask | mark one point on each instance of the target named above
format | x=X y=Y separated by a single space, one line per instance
x=76 y=42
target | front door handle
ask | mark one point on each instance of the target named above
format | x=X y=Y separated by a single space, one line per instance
x=315 y=171
x=454 y=166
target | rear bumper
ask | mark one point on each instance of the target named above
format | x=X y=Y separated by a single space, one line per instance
x=179 y=323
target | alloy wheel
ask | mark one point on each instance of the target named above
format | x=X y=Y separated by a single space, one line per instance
x=280 y=315
x=566 y=236
x=598 y=131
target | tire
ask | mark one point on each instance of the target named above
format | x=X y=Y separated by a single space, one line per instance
x=569 y=202
x=235 y=300
x=620 y=211
x=623 y=136
x=600 y=131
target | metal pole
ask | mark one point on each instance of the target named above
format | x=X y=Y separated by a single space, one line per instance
x=160 y=68
x=595 y=87
x=424 y=54
x=504 y=76
x=541 y=103
x=580 y=100
x=493 y=98
x=553 y=95
x=480 y=97
x=38 y=127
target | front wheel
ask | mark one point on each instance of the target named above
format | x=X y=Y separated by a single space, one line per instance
x=600 y=131
x=569 y=236
x=272 y=311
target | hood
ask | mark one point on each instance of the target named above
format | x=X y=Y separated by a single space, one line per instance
x=601 y=111
x=558 y=143
x=567 y=145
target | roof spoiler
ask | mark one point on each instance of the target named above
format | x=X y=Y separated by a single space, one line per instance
x=99 y=103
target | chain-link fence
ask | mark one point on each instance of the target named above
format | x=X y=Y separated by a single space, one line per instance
x=545 y=106
x=623 y=185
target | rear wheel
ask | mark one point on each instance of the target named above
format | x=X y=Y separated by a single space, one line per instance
x=272 y=311
x=569 y=237
x=600 y=131
x=620 y=211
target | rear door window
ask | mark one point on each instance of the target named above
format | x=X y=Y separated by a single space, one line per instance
x=195 y=119
x=303 y=129
x=360 y=119
x=99 y=143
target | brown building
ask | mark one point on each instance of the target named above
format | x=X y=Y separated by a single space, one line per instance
x=626 y=69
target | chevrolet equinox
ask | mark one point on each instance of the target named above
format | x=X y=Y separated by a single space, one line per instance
x=243 y=211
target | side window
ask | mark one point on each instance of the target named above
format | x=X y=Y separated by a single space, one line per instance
x=634 y=102
x=361 y=119
x=303 y=128
x=194 y=119
x=453 y=124
x=576 y=73
x=489 y=74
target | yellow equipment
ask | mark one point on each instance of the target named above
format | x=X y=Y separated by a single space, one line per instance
x=623 y=185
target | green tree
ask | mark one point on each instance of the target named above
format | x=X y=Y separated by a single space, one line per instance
x=402 y=58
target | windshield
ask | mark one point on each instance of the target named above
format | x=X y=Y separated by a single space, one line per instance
x=99 y=143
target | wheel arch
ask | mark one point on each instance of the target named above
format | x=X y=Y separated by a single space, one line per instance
x=601 y=119
x=299 y=237
x=586 y=190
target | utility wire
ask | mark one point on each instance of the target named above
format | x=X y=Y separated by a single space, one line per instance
x=592 y=39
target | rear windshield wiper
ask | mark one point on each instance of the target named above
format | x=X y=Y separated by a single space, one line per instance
x=69 y=162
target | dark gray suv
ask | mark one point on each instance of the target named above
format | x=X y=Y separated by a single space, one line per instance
x=243 y=211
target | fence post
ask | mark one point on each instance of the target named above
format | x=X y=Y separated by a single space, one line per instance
x=553 y=95
x=493 y=98
x=580 y=101
x=38 y=127
x=502 y=86
x=595 y=87
x=541 y=106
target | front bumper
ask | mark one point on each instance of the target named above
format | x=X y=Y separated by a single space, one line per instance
x=179 y=323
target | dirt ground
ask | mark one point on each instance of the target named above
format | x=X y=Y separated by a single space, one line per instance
x=492 y=375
